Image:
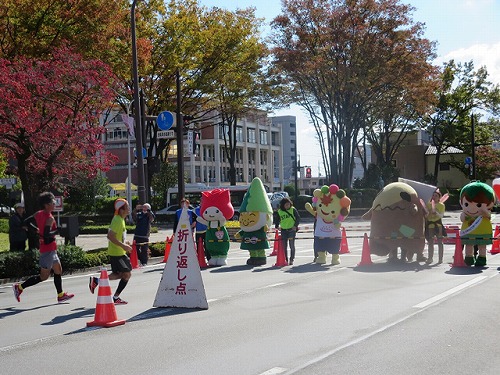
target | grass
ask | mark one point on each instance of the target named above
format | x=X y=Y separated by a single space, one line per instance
x=4 y=242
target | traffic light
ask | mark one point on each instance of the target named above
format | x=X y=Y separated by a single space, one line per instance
x=308 y=172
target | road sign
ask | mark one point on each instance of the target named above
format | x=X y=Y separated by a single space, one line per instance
x=169 y=134
x=166 y=120
x=8 y=181
x=58 y=207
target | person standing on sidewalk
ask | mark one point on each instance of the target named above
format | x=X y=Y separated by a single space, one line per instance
x=18 y=232
x=143 y=218
x=121 y=268
x=288 y=219
x=49 y=261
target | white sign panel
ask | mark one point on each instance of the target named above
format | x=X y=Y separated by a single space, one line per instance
x=168 y=134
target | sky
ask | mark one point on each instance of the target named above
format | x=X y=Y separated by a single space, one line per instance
x=464 y=30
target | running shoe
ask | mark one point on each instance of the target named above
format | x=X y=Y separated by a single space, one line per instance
x=17 y=292
x=119 y=301
x=65 y=297
x=93 y=282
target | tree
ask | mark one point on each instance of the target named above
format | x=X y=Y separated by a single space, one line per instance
x=219 y=58
x=83 y=193
x=161 y=182
x=49 y=118
x=462 y=91
x=344 y=59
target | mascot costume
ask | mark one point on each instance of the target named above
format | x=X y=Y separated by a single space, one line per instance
x=216 y=209
x=255 y=220
x=397 y=220
x=330 y=207
x=477 y=200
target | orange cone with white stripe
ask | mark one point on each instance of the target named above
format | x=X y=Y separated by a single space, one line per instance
x=366 y=258
x=168 y=246
x=458 y=257
x=277 y=241
x=134 y=259
x=200 y=249
x=495 y=247
x=344 y=247
x=105 y=312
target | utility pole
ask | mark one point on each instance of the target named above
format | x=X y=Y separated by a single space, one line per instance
x=137 y=110
x=180 y=140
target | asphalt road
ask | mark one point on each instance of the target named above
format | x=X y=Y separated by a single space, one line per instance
x=301 y=319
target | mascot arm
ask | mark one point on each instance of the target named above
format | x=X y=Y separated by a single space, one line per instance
x=201 y=220
x=310 y=209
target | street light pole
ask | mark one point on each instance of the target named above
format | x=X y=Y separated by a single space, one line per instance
x=137 y=110
x=180 y=140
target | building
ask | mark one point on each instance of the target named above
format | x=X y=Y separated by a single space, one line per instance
x=259 y=151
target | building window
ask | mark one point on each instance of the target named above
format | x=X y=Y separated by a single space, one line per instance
x=444 y=166
x=239 y=134
x=263 y=137
x=251 y=135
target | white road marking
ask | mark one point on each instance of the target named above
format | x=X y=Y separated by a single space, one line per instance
x=273 y=371
x=449 y=292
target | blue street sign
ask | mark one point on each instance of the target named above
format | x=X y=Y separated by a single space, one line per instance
x=165 y=120
x=144 y=153
x=468 y=160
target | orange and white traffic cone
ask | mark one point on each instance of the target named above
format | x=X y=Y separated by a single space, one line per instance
x=105 y=312
x=495 y=247
x=280 y=257
x=277 y=241
x=134 y=260
x=168 y=246
x=366 y=258
x=344 y=247
x=458 y=257
x=201 y=254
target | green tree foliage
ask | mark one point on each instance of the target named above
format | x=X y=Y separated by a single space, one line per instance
x=162 y=181
x=84 y=194
x=345 y=60
x=462 y=92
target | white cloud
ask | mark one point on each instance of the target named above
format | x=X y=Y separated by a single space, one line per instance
x=482 y=55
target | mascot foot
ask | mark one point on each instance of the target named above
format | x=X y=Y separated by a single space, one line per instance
x=212 y=262
x=321 y=258
x=480 y=261
x=421 y=258
x=221 y=261
x=335 y=259
x=469 y=260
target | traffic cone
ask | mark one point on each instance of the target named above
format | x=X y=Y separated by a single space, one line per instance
x=280 y=257
x=366 y=258
x=277 y=241
x=134 y=260
x=168 y=245
x=495 y=247
x=458 y=257
x=105 y=313
x=201 y=254
x=344 y=247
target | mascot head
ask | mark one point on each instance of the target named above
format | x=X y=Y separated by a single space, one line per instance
x=331 y=203
x=476 y=198
x=216 y=205
x=255 y=210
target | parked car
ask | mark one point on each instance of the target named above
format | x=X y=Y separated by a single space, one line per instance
x=168 y=213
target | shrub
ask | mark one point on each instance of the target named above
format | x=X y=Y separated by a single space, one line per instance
x=18 y=264
x=4 y=225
